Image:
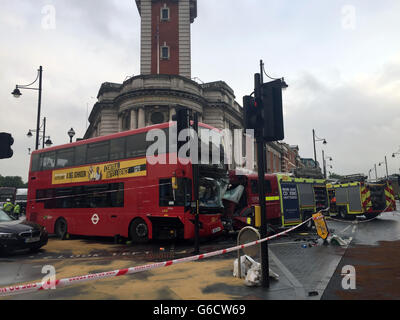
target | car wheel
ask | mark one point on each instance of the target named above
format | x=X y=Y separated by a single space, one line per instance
x=61 y=228
x=139 y=231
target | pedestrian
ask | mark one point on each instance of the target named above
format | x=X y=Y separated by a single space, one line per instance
x=8 y=207
x=17 y=211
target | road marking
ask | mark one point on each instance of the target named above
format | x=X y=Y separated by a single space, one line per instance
x=345 y=229
x=354 y=229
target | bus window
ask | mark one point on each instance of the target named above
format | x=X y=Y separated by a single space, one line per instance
x=80 y=155
x=136 y=145
x=95 y=196
x=97 y=152
x=35 y=163
x=48 y=160
x=180 y=197
x=117 y=149
x=65 y=158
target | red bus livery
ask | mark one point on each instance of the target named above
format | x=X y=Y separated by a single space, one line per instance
x=105 y=186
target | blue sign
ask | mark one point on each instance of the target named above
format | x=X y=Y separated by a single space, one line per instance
x=290 y=202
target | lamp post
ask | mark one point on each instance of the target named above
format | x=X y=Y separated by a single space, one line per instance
x=317 y=139
x=71 y=134
x=47 y=142
x=324 y=161
x=387 y=172
x=17 y=93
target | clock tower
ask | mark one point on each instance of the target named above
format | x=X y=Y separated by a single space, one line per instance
x=166 y=36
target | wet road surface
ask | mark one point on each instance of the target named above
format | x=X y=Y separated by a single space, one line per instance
x=307 y=269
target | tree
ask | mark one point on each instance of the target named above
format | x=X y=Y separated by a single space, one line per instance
x=335 y=176
x=15 y=182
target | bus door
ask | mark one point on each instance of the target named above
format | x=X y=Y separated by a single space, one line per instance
x=105 y=203
x=290 y=204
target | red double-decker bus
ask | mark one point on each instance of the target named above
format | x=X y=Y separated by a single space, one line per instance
x=106 y=186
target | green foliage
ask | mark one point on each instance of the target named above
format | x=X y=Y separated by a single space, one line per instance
x=335 y=176
x=15 y=182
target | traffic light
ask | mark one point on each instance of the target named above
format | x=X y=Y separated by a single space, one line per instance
x=271 y=97
x=263 y=113
x=6 y=141
x=252 y=114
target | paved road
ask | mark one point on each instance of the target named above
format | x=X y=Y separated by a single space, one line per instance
x=305 y=269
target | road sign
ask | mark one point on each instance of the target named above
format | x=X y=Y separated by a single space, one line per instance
x=320 y=224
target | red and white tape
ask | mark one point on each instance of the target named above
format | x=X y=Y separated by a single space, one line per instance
x=40 y=286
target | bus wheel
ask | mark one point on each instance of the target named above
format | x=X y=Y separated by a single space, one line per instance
x=61 y=228
x=139 y=231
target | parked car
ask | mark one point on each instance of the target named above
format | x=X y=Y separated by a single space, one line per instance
x=18 y=235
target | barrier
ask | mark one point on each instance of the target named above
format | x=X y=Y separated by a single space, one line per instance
x=40 y=286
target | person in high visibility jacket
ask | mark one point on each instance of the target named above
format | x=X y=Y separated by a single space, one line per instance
x=17 y=210
x=8 y=207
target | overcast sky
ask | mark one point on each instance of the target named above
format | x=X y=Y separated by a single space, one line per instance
x=341 y=60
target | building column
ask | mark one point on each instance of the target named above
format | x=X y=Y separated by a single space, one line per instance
x=172 y=112
x=141 y=118
x=134 y=119
x=120 y=119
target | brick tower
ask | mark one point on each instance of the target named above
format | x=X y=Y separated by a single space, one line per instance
x=165 y=36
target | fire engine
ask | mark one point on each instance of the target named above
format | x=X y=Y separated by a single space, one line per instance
x=353 y=196
x=290 y=200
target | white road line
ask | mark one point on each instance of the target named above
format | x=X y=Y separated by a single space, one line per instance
x=354 y=229
x=345 y=229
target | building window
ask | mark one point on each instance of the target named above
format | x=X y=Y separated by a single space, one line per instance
x=157 y=118
x=165 y=13
x=165 y=52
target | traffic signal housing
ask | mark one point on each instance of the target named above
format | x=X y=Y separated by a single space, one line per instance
x=252 y=114
x=264 y=112
x=271 y=97
x=6 y=141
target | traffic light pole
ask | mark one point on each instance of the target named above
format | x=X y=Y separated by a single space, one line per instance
x=261 y=196
x=261 y=189
x=195 y=168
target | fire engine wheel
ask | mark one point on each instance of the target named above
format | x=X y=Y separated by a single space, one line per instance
x=61 y=228
x=371 y=215
x=139 y=231
x=344 y=215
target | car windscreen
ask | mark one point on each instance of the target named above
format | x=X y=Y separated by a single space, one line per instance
x=4 y=217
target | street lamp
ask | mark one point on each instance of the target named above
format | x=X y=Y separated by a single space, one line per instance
x=387 y=172
x=317 y=139
x=71 y=134
x=324 y=161
x=17 y=93
x=47 y=142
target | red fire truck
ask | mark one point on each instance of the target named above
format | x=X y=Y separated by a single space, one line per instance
x=289 y=200
x=106 y=186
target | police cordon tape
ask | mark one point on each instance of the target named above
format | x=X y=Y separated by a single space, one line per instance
x=40 y=286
